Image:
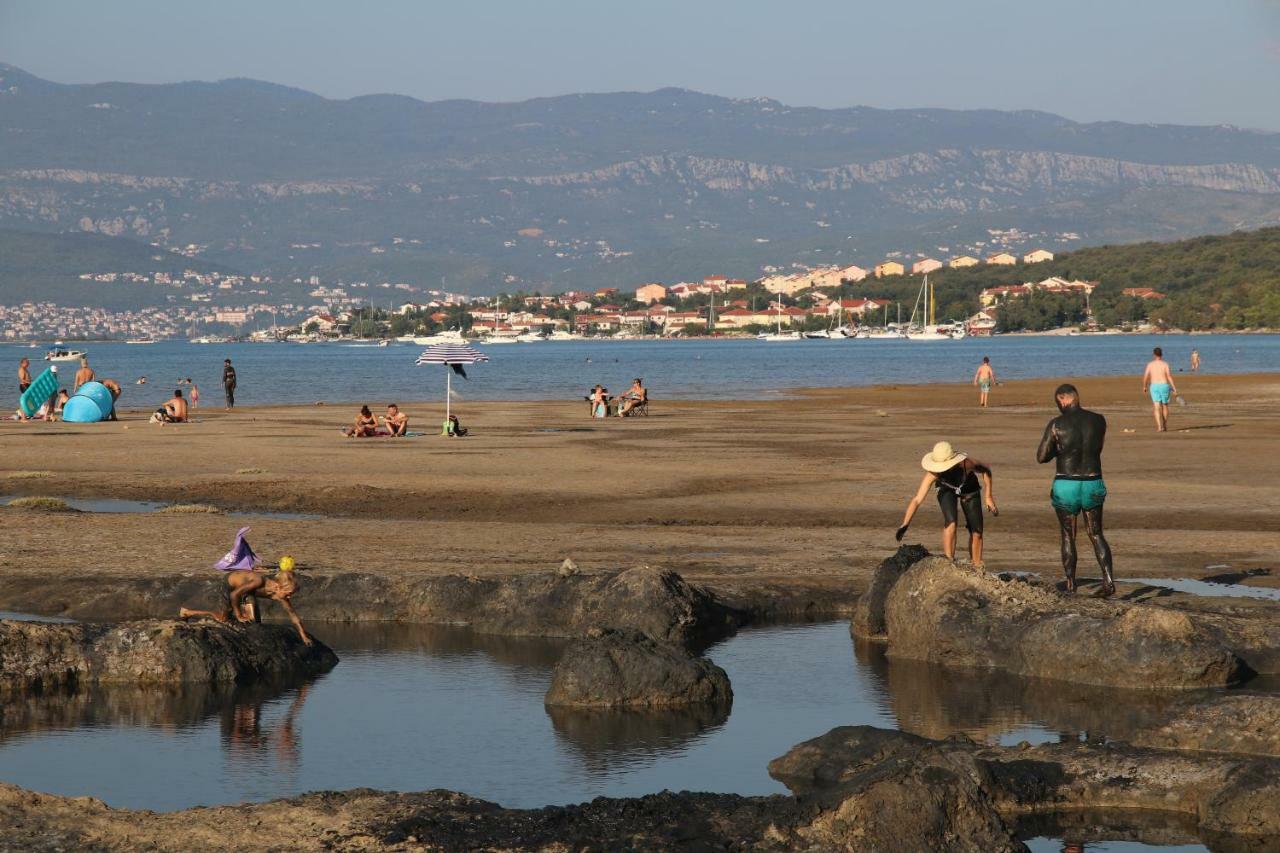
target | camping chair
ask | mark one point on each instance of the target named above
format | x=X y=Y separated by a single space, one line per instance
x=640 y=409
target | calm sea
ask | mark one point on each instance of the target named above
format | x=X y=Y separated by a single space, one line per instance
x=738 y=369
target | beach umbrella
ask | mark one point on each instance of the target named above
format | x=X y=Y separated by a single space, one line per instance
x=453 y=356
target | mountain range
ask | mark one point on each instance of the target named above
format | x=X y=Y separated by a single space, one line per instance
x=599 y=189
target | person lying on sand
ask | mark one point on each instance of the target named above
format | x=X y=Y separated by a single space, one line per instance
x=256 y=584
x=396 y=421
x=366 y=424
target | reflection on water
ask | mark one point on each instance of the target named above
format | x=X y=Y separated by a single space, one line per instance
x=1112 y=831
x=420 y=707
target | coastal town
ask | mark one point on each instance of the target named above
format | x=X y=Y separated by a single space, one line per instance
x=201 y=305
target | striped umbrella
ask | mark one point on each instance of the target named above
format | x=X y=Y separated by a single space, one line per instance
x=454 y=356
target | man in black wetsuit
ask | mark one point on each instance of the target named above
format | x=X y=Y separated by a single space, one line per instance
x=1074 y=439
x=229 y=383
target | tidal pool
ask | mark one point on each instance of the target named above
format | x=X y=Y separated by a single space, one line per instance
x=419 y=707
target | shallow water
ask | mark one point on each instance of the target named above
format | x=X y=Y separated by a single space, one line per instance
x=123 y=505
x=725 y=369
x=417 y=707
x=1211 y=589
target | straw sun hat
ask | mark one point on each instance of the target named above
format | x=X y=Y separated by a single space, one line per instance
x=942 y=457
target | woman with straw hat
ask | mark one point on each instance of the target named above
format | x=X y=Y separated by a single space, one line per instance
x=956 y=477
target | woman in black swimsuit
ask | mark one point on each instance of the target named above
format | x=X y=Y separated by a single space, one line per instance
x=961 y=483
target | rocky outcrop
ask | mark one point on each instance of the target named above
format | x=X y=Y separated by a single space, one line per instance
x=656 y=601
x=1233 y=723
x=974 y=786
x=939 y=612
x=43 y=656
x=868 y=613
x=628 y=669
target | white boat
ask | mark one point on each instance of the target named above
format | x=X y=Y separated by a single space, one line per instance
x=451 y=336
x=489 y=340
x=530 y=337
x=927 y=329
x=137 y=341
x=562 y=335
x=779 y=336
x=209 y=339
x=819 y=335
x=887 y=334
x=64 y=355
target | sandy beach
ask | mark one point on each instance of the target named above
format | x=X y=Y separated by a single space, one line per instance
x=805 y=490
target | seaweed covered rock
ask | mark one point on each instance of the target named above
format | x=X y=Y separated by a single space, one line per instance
x=43 y=655
x=611 y=668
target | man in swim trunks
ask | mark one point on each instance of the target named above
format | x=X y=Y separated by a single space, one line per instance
x=396 y=421
x=83 y=375
x=984 y=379
x=1158 y=379
x=1075 y=439
x=24 y=375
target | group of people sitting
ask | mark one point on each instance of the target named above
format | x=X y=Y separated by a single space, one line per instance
x=632 y=402
x=395 y=424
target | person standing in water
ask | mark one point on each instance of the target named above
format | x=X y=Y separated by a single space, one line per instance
x=955 y=476
x=83 y=375
x=1074 y=439
x=984 y=379
x=1195 y=361
x=1158 y=379
x=229 y=383
x=24 y=375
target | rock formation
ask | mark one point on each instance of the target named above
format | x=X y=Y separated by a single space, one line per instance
x=656 y=601
x=939 y=612
x=627 y=669
x=40 y=655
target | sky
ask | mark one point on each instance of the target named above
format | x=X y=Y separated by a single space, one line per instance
x=1168 y=61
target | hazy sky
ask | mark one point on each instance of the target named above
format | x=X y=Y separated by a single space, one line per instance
x=1181 y=61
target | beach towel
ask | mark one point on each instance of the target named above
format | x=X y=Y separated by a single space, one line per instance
x=240 y=557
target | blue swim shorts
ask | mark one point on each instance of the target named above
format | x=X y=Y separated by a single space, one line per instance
x=1073 y=496
x=1160 y=392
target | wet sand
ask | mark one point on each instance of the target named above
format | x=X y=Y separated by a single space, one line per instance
x=741 y=494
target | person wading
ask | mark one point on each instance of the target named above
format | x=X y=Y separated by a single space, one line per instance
x=1158 y=379
x=229 y=383
x=1074 y=439
x=984 y=378
x=956 y=477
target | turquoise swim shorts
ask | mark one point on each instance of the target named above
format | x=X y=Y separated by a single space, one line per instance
x=1160 y=392
x=1074 y=496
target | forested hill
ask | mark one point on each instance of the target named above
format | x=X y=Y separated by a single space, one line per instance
x=1222 y=281
x=597 y=189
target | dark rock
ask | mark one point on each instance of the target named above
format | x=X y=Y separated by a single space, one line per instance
x=939 y=612
x=548 y=604
x=43 y=656
x=868 y=613
x=1233 y=723
x=1229 y=794
x=614 y=668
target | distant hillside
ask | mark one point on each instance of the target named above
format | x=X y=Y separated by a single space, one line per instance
x=1229 y=281
x=46 y=267
x=605 y=189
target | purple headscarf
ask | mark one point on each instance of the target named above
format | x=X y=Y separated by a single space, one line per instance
x=240 y=556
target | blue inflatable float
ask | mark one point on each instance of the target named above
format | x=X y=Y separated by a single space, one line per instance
x=91 y=403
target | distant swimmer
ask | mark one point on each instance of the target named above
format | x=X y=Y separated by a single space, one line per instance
x=984 y=379
x=1075 y=439
x=1195 y=361
x=956 y=477
x=1158 y=380
x=142 y=380
x=83 y=375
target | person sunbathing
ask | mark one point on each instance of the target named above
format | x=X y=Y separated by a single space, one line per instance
x=635 y=396
x=252 y=583
x=599 y=399
x=174 y=411
x=366 y=424
x=396 y=421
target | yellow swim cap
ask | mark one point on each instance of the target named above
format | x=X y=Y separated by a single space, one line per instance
x=286 y=564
